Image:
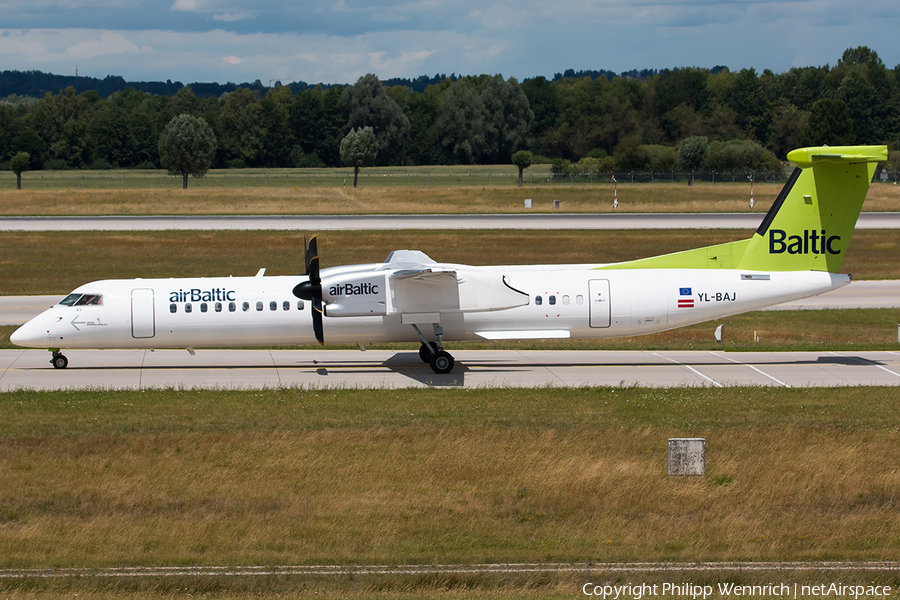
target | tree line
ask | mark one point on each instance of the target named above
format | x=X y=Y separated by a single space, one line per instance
x=584 y=120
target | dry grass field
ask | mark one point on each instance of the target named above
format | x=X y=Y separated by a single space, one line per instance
x=57 y=262
x=659 y=197
x=91 y=479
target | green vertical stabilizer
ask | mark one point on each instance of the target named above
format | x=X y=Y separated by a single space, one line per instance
x=808 y=227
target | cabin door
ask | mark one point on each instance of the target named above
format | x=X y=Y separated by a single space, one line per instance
x=143 y=315
x=598 y=296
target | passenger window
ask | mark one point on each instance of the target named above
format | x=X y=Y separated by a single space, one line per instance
x=538 y=300
x=273 y=306
x=231 y=307
x=203 y=307
x=565 y=300
x=245 y=306
x=579 y=299
x=173 y=308
x=187 y=307
x=259 y=306
x=551 y=300
x=286 y=305
x=218 y=307
x=299 y=304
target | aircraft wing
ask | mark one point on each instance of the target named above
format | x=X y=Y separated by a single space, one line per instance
x=423 y=274
x=451 y=290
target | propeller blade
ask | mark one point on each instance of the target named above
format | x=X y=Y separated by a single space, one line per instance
x=318 y=328
x=312 y=260
x=311 y=290
x=306 y=255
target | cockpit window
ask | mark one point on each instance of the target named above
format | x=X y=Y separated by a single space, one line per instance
x=70 y=300
x=89 y=300
x=82 y=300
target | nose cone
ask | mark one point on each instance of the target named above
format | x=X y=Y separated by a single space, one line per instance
x=30 y=335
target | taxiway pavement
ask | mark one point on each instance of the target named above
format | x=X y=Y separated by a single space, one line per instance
x=749 y=220
x=267 y=369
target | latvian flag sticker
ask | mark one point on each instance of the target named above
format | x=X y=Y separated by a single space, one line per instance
x=685 y=302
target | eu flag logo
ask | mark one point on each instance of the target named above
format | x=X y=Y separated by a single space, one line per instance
x=684 y=291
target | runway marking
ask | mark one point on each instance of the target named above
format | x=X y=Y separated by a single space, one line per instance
x=867 y=362
x=761 y=372
x=692 y=369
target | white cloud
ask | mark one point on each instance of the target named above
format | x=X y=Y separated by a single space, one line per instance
x=108 y=42
x=190 y=5
x=232 y=17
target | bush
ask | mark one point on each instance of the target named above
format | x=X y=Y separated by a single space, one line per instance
x=741 y=155
x=561 y=166
x=56 y=164
x=587 y=165
x=660 y=158
x=101 y=164
x=693 y=152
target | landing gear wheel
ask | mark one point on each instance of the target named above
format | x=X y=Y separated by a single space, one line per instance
x=59 y=361
x=441 y=362
x=427 y=351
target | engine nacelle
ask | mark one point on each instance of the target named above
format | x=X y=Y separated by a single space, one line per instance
x=357 y=294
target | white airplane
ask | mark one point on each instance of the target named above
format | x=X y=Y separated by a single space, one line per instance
x=795 y=253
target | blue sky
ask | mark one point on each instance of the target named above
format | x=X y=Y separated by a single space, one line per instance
x=337 y=41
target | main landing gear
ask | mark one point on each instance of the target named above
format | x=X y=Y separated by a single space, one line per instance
x=58 y=360
x=433 y=353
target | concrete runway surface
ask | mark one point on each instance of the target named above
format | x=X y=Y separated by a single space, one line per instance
x=267 y=369
x=750 y=221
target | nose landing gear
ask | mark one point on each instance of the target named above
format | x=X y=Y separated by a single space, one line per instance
x=59 y=361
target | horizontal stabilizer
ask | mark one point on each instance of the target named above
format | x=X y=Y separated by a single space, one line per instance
x=805 y=157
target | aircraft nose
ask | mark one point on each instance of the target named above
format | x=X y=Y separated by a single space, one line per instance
x=30 y=335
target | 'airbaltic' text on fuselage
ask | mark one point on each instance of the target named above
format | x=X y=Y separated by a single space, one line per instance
x=348 y=289
x=196 y=295
x=811 y=241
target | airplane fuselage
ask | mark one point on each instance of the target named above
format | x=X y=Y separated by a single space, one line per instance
x=558 y=301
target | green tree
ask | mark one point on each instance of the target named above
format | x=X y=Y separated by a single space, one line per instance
x=359 y=149
x=829 y=123
x=692 y=154
x=242 y=129
x=317 y=127
x=187 y=146
x=64 y=126
x=18 y=164
x=459 y=128
x=522 y=159
x=544 y=102
x=749 y=101
x=279 y=138
x=365 y=104
x=508 y=118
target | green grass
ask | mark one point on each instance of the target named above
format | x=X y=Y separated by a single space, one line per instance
x=444 y=476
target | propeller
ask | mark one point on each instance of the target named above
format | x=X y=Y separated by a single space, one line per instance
x=311 y=290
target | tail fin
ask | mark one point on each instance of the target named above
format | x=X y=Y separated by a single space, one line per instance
x=807 y=228
x=810 y=223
